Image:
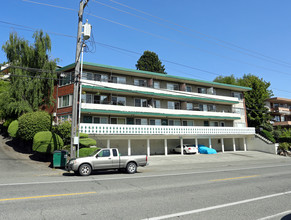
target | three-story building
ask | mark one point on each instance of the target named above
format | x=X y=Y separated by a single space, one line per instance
x=143 y=112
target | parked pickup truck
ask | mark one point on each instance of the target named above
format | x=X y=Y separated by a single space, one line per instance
x=105 y=159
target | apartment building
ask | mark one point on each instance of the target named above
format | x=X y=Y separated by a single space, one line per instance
x=280 y=109
x=143 y=112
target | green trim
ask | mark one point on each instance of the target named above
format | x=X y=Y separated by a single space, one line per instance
x=157 y=94
x=155 y=114
x=155 y=74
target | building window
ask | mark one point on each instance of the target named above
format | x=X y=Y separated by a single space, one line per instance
x=117 y=120
x=101 y=99
x=214 y=123
x=188 y=123
x=100 y=120
x=86 y=98
x=94 y=76
x=174 y=122
x=172 y=86
x=156 y=85
x=238 y=95
x=277 y=118
x=87 y=119
x=64 y=118
x=155 y=121
x=116 y=100
x=211 y=91
x=157 y=104
x=203 y=107
x=141 y=121
x=173 y=105
x=189 y=106
x=211 y=108
x=222 y=124
x=65 y=101
x=188 y=88
x=206 y=123
x=202 y=90
x=66 y=78
x=140 y=103
x=118 y=79
x=140 y=82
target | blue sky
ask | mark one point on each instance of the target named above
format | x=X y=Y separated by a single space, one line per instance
x=209 y=36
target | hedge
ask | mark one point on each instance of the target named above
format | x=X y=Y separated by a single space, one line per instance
x=13 y=129
x=84 y=152
x=64 y=131
x=32 y=123
x=47 y=142
x=83 y=135
x=87 y=142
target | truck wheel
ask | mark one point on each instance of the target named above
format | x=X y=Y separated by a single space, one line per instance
x=85 y=170
x=131 y=168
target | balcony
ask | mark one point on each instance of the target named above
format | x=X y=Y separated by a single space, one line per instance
x=281 y=110
x=113 y=129
x=282 y=123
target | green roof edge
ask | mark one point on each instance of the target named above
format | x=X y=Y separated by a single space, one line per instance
x=158 y=94
x=155 y=74
x=155 y=114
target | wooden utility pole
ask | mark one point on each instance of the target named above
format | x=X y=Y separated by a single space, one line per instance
x=77 y=79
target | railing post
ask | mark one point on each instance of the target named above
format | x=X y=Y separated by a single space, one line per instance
x=222 y=145
x=148 y=147
x=166 y=146
x=233 y=141
x=128 y=147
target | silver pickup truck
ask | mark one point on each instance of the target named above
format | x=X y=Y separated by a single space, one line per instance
x=105 y=159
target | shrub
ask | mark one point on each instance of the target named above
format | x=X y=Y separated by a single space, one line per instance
x=47 y=142
x=8 y=122
x=87 y=142
x=13 y=129
x=284 y=146
x=32 y=123
x=82 y=135
x=64 y=131
x=268 y=135
x=84 y=152
x=267 y=126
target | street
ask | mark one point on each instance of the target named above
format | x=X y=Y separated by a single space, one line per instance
x=246 y=189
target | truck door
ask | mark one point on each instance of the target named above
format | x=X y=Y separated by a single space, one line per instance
x=115 y=159
x=103 y=160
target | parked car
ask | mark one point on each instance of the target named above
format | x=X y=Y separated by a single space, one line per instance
x=187 y=149
x=202 y=149
x=106 y=159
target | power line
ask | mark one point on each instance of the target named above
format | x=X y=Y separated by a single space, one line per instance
x=185 y=33
x=197 y=32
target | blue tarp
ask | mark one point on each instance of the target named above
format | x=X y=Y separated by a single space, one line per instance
x=206 y=150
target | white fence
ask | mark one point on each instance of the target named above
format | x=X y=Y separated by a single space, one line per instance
x=169 y=130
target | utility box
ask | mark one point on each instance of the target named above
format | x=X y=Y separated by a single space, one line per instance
x=60 y=158
x=87 y=30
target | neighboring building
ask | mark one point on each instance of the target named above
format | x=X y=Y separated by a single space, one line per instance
x=150 y=113
x=280 y=109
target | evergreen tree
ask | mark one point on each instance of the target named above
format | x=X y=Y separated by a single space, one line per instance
x=29 y=89
x=150 y=61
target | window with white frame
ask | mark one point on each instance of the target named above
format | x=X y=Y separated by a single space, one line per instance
x=64 y=118
x=100 y=120
x=203 y=107
x=117 y=120
x=140 y=82
x=238 y=95
x=172 y=86
x=140 y=102
x=202 y=90
x=86 y=98
x=156 y=84
x=188 y=123
x=155 y=122
x=118 y=79
x=100 y=99
x=173 y=105
x=157 y=104
x=65 y=101
x=214 y=123
x=189 y=106
x=222 y=124
x=117 y=100
x=66 y=78
x=141 y=121
x=188 y=88
x=174 y=122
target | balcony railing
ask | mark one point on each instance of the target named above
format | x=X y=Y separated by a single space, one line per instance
x=110 y=129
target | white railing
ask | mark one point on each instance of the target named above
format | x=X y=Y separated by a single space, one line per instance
x=169 y=130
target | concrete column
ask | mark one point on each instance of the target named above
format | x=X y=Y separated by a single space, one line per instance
x=196 y=142
x=245 y=145
x=181 y=145
x=148 y=147
x=210 y=145
x=233 y=141
x=222 y=145
x=129 y=147
x=108 y=143
x=166 y=146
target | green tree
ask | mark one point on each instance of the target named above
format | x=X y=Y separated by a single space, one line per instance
x=257 y=113
x=29 y=89
x=150 y=61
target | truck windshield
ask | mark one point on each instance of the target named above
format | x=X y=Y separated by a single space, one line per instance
x=95 y=152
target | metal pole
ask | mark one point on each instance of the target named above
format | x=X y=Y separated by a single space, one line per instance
x=77 y=78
